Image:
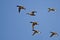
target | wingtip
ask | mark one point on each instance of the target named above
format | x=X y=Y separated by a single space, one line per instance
x=17 y=5
x=31 y=22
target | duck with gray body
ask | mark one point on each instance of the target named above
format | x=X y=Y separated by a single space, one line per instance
x=32 y=13
x=51 y=9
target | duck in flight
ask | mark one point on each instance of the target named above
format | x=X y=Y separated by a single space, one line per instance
x=33 y=24
x=20 y=8
x=35 y=32
x=32 y=13
x=51 y=9
x=53 y=34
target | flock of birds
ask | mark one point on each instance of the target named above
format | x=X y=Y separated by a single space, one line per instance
x=32 y=13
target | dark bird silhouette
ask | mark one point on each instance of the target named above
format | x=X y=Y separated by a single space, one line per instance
x=20 y=8
x=53 y=34
x=32 y=13
x=51 y=9
x=33 y=24
x=34 y=32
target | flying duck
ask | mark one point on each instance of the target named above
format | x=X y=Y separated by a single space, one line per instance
x=33 y=24
x=51 y=9
x=20 y=8
x=35 y=32
x=32 y=13
x=53 y=34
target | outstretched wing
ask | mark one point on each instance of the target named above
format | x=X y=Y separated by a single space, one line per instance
x=33 y=26
x=51 y=35
x=33 y=33
x=19 y=10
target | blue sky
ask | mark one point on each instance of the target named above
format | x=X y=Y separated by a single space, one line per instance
x=15 y=26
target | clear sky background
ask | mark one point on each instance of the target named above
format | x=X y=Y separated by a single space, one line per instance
x=15 y=26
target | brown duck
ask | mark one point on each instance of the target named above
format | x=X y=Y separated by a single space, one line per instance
x=35 y=32
x=53 y=34
x=20 y=8
x=33 y=24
